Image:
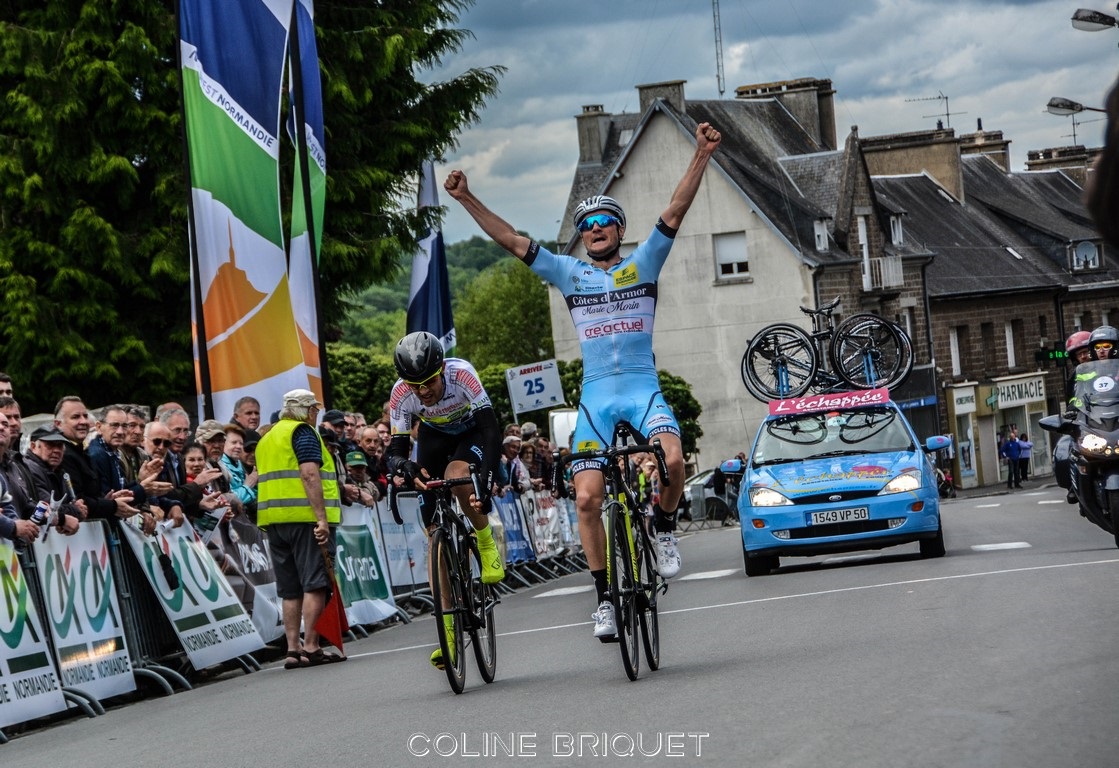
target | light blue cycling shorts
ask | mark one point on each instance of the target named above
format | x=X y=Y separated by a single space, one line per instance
x=632 y=398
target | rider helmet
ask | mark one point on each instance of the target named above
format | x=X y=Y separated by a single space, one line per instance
x=598 y=203
x=418 y=357
x=1104 y=342
x=1077 y=342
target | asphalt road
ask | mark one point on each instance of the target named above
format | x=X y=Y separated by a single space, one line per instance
x=1003 y=653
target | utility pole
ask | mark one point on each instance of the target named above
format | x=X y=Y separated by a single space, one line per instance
x=718 y=48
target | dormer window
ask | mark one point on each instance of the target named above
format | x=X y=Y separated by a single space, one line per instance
x=1085 y=255
x=821 y=227
x=897 y=235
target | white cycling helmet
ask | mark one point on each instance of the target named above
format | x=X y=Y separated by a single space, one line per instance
x=598 y=203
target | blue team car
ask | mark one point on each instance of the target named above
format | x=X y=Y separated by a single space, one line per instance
x=836 y=473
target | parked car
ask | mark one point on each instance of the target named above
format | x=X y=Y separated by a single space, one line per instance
x=715 y=507
x=837 y=473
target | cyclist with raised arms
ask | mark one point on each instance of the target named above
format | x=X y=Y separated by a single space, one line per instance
x=458 y=427
x=612 y=301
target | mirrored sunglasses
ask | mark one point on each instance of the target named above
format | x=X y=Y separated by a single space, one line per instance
x=426 y=383
x=603 y=221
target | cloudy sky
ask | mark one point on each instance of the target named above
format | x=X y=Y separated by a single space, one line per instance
x=998 y=60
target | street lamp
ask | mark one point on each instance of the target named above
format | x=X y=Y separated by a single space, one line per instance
x=1067 y=107
x=1087 y=20
x=1062 y=106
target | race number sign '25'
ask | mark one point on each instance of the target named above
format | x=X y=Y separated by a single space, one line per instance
x=534 y=386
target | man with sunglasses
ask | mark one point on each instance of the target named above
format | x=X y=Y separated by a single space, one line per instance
x=612 y=302
x=1104 y=343
x=457 y=428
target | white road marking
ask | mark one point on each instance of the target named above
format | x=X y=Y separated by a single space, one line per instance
x=1005 y=545
x=1052 y=501
x=565 y=591
x=756 y=601
x=707 y=575
x=986 y=506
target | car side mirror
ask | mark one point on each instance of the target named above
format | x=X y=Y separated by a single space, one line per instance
x=937 y=443
x=732 y=466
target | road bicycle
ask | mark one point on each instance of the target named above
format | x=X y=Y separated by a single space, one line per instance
x=463 y=604
x=864 y=352
x=631 y=561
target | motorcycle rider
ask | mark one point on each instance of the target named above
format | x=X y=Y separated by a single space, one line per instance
x=1077 y=351
x=1104 y=342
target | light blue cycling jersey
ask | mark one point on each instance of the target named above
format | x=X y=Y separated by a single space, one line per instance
x=613 y=314
x=613 y=308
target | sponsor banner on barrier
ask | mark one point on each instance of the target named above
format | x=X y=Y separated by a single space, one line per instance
x=29 y=684
x=82 y=612
x=242 y=549
x=517 y=546
x=545 y=515
x=405 y=546
x=204 y=611
x=366 y=591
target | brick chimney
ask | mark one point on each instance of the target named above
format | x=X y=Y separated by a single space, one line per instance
x=989 y=143
x=672 y=91
x=810 y=101
x=593 y=127
x=936 y=151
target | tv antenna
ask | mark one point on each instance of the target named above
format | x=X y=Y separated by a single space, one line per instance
x=718 y=48
x=947 y=114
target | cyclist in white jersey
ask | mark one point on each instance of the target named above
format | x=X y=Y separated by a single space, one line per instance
x=457 y=428
x=612 y=302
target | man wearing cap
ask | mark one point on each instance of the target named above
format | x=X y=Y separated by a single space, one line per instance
x=297 y=502
x=358 y=467
x=514 y=473
x=612 y=301
x=43 y=459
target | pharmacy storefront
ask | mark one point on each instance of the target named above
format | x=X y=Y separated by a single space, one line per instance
x=1019 y=403
x=982 y=415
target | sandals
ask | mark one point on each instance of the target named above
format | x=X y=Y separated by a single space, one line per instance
x=320 y=657
x=296 y=660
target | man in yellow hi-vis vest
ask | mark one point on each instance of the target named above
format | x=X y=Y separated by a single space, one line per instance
x=298 y=502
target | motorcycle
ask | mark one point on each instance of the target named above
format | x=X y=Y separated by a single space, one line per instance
x=1086 y=459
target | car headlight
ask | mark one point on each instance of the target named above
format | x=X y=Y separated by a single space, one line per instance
x=1093 y=443
x=767 y=497
x=903 y=483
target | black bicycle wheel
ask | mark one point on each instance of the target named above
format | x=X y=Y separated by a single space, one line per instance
x=450 y=608
x=623 y=592
x=483 y=629
x=867 y=352
x=649 y=580
x=779 y=362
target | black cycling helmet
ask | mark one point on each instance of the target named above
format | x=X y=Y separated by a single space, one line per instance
x=1104 y=342
x=598 y=203
x=418 y=357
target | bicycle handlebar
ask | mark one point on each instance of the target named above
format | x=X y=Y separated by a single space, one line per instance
x=609 y=453
x=433 y=484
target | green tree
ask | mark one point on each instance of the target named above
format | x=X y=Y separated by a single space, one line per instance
x=93 y=248
x=504 y=318
x=362 y=379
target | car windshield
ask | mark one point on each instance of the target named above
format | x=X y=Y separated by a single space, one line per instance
x=834 y=433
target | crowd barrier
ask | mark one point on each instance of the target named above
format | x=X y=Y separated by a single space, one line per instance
x=83 y=618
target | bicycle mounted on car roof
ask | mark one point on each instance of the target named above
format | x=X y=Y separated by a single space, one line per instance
x=463 y=603
x=630 y=552
x=865 y=352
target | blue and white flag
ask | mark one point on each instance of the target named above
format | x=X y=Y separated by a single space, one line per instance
x=429 y=300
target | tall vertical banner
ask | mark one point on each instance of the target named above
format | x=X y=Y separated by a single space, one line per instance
x=306 y=93
x=233 y=55
x=429 y=299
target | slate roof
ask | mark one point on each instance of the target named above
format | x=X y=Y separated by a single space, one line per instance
x=755 y=133
x=970 y=242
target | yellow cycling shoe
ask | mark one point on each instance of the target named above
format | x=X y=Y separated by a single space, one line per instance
x=492 y=569
x=437 y=654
